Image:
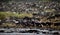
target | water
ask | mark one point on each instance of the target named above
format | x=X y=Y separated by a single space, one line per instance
x=23 y=34
x=21 y=29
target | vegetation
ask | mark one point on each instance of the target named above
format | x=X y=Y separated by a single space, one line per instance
x=8 y=25
x=2 y=16
x=53 y=19
x=11 y=14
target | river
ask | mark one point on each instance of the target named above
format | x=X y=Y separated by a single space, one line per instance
x=40 y=33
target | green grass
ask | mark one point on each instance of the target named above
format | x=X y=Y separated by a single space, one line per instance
x=10 y=14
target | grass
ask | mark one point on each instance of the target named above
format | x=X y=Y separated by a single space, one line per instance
x=8 y=14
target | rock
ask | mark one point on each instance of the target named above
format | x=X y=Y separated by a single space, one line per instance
x=56 y=33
